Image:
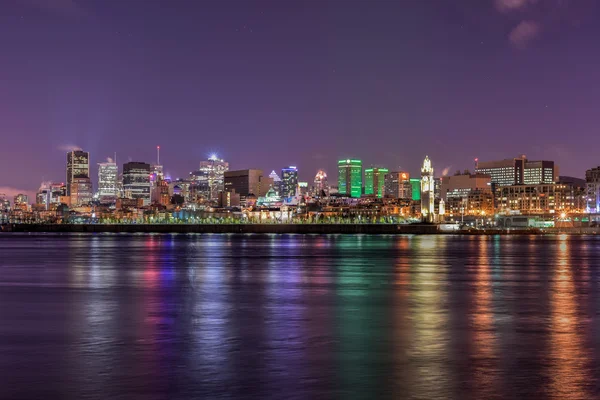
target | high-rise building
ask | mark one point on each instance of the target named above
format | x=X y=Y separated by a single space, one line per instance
x=427 y=191
x=247 y=182
x=210 y=177
x=108 y=176
x=78 y=166
x=81 y=192
x=350 y=177
x=415 y=184
x=398 y=185
x=592 y=179
x=519 y=171
x=460 y=185
x=550 y=198
x=21 y=199
x=54 y=193
x=375 y=181
x=136 y=181
x=289 y=181
x=321 y=188
x=277 y=183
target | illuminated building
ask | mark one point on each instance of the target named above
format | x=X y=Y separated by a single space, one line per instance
x=460 y=185
x=518 y=171
x=78 y=166
x=536 y=199
x=350 y=177
x=427 y=191
x=276 y=182
x=211 y=177
x=592 y=179
x=55 y=193
x=289 y=181
x=21 y=199
x=398 y=185
x=247 y=182
x=375 y=181
x=108 y=175
x=415 y=184
x=320 y=184
x=81 y=192
x=136 y=181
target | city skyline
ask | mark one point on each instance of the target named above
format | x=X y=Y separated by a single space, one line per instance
x=450 y=81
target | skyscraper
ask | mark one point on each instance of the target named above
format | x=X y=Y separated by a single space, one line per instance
x=136 y=181
x=592 y=178
x=321 y=188
x=350 y=177
x=78 y=166
x=276 y=182
x=108 y=174
x=427 y=191
x=289 y=181
x=398 y=185
x=375 y=181
x=247 y=181
x=210 y=177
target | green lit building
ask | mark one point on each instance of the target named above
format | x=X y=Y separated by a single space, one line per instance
x=375 y=181
x=350 y=177
x=416 y=188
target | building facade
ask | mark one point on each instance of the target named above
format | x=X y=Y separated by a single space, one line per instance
x=375 y=181
x=350 y=178
x=398 y=186
x=78 y=166
x=320 y=186
x=81 y=192
x=136 y=181
x=108 y=189
x=247 y=182
x=519 y=171
x=289 y=181
x=210 y=177
x=536 y=199
x=592 y=182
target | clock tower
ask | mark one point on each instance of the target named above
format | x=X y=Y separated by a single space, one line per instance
x=427 y=191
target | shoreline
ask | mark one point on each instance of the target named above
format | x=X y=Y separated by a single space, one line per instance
x=372 y=229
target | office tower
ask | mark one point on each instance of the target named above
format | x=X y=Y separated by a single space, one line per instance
x=375 y=181
x=467 y=194
x=550 y=198
x=247 y=182
x=540 y=172
x=136 y=181
x=108 y=175
x=21 y=199
x=350 y=177
x=289 y=181
x=78 y=166
x=157 y=170
x=320 y=184
x=460 y=185
x=592 y=179
x=210 y=177
x=415 y=184
x=81 y=192
x=55 y=193
x=427 y=191
x=398 y=185
x=277 y=183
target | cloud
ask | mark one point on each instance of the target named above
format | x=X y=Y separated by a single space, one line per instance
x=110 y=160
x=11 y=192
x=68 y=147
x=446 y=170
x=69 y=8
x=524 y=33
x=512 y=5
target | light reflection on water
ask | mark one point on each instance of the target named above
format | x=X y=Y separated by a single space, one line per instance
x=293 y=316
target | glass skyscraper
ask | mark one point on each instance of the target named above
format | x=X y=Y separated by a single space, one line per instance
x=136 y=181
x=350 y=177
x=78 y=166
x=108 y=175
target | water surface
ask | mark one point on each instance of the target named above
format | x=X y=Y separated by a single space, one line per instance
x=299 y=316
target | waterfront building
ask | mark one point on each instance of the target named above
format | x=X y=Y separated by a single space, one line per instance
x=289 y=181
x=277 y=184
x=136 y=181
x=78 y=166
x=247 y=182
x=211 y=177
x=350 y=177
x=398 y=185
x=540 y=172
x=375 y=181
x=459 y=185
x=427 y=191
x=536 y=199
x=592 y=179
x=108 y=176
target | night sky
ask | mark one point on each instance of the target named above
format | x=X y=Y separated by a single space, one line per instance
x=266 y=84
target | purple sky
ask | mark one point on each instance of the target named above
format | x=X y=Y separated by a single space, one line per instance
x=266 y=84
